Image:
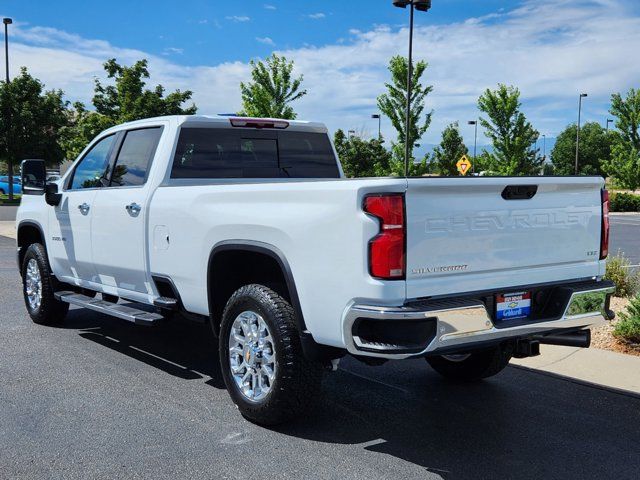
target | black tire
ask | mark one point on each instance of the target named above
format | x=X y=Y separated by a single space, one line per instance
x=476 y=366
x=50 y=311
x=297 y=382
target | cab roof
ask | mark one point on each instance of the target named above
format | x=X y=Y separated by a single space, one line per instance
x=224 y=121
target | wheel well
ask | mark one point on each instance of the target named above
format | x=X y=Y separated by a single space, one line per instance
x=231 y=269
x=28 y=235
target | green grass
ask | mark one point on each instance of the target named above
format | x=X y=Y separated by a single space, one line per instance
x=4 y=200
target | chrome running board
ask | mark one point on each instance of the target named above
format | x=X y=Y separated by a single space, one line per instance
x=123 y=311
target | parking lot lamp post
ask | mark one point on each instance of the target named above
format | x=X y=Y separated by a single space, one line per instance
x=422 y=6
x=582 y=95
x=377 y=116
x=609 y=120
x=475 y=144
x=7 y=22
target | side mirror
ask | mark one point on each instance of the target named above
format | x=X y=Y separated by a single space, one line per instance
x=34 y=176
x=51 y=196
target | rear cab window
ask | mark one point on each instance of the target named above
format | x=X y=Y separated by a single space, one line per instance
x=218 y=153
x=134 y=158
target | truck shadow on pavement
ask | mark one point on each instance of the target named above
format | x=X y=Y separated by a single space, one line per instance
x=180 y=348
x=520 y=424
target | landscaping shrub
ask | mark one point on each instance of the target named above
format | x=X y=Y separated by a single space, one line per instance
x=624 y=202
x=625 y=279
x=628 y=327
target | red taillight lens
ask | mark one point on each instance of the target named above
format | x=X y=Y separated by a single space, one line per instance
x=386 y=250
x=604 y=238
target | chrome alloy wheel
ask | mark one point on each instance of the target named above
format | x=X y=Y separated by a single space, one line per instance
x=33 y=285
x=252 y=356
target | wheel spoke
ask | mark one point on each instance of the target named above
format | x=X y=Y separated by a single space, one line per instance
x=252 y=355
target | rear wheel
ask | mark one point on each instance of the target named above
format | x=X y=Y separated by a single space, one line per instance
x=263 y=366
x=39 y=286
x=472 y=366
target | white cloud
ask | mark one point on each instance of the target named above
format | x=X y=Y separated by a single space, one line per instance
x=238 y=18
x=173 y=50
x=550 y=49
x=266 y=40
x=269 y=7
x=316 y=16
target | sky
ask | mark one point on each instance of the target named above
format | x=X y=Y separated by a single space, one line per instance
x=552 y=50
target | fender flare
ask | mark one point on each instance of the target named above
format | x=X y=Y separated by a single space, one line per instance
x=28 y=223
x=265 y=249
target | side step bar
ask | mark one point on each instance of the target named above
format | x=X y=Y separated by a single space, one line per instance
x=125 y=312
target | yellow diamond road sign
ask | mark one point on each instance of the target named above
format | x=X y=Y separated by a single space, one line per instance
x=464 y=165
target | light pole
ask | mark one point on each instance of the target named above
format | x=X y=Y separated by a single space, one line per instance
x=609 y=120
x=475 y=144
x=379 y=118
x=7 y=22
x=421 y=6
x=544 y=148
x=582 y=95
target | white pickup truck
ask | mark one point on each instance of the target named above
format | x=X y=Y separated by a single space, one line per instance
x=248 y=225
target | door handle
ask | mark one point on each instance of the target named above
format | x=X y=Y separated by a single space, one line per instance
x=133 y=209
x=84 y=208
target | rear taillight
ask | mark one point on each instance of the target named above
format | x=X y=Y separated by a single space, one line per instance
x=604 y=237
x=387 y=249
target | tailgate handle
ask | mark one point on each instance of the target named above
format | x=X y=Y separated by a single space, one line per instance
x=519 y=192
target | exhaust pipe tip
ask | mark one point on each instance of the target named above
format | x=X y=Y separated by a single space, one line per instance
x=580 y=339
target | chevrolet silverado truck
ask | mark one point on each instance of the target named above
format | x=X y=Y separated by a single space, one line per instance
x=248 y=225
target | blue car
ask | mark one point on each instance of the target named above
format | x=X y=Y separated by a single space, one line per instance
x=4 y=185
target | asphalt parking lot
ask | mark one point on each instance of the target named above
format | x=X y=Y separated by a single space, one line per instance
x=101 y=398
x=625 y=236
x=7 y=213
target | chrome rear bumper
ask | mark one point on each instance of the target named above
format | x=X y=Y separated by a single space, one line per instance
x=459 y=323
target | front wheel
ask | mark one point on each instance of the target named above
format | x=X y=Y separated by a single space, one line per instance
x=472 y=366
x=263 y=366
x=38 y=286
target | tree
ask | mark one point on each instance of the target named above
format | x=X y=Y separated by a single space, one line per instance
x=595 y=148
x=627 y=113
x=272 y=89
x=512 y=135
x=31 y=121
x=125 y=100
x=360 y=158
x=393 y=104
x=624 y=164
x=450 y=150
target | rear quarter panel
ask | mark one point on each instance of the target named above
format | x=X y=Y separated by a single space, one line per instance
x=319 y=226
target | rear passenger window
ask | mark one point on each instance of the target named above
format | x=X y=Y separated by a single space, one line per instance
x=134 y=158
x=213 y=153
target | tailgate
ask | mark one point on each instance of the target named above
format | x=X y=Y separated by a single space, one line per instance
x=463 y=236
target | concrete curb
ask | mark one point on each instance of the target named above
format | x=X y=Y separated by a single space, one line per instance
x=596 y=367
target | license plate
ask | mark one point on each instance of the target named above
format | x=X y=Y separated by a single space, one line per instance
x=513 y=305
